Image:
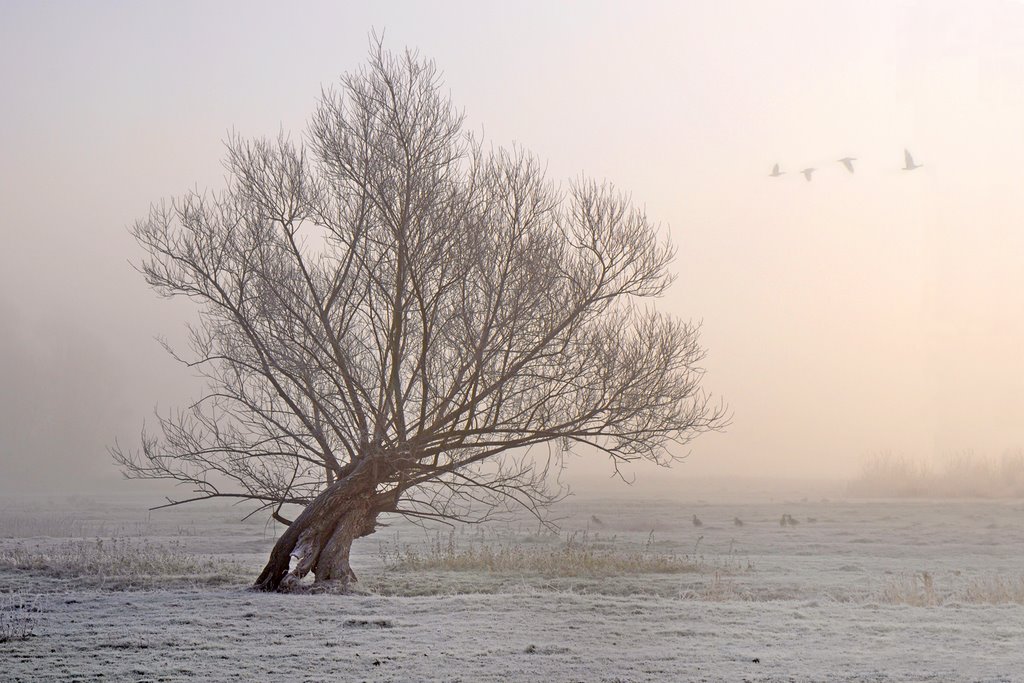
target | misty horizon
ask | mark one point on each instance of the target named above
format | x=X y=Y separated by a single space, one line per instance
x=873 y=312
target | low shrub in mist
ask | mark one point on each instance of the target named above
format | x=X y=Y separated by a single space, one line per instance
x=959 y=475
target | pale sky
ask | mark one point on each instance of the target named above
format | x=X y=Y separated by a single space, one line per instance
x=879 y=311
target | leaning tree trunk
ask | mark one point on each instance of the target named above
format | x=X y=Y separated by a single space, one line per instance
x=321 y=537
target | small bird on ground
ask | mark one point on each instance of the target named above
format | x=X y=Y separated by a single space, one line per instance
x=696 y=521
x=807 y=173
x=737 y=521
x=776 y=172
x=908 y=161
x=848 y=163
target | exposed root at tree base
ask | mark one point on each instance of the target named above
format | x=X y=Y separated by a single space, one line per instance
x=295 y=586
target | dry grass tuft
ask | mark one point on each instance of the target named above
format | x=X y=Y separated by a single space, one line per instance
x=920 y=590
x=994 y=590
x=580 y=554
x=717 y=589
x=121 y=562
x=916 y=589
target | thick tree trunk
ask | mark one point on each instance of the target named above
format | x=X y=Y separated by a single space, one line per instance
x=321 y=537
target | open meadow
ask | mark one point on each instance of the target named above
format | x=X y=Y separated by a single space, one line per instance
x=627 y=591
x=358 y=265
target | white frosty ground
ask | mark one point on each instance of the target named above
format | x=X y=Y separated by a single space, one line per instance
x=821 y=601
x=225 y=634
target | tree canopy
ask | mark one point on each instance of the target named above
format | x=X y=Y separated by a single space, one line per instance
x=389 y=296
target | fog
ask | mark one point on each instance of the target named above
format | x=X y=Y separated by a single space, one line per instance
x=876 y=311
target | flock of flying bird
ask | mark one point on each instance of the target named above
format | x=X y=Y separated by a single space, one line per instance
x=908 y=165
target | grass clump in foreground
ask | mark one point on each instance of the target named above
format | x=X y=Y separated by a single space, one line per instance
x=579 y=554
x=16 y=618
x=118 y=561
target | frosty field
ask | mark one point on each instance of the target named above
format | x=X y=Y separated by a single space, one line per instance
x=855 y=590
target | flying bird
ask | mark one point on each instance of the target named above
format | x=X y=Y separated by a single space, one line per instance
x=807 y=173
x=776 y=172
x=848 y=163
x=908 y=161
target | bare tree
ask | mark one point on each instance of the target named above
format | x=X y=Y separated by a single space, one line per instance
x=394 y=319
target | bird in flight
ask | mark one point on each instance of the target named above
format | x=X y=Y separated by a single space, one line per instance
x=776 y=172
x=908 y=161
x=807 y=173
x=848 y=163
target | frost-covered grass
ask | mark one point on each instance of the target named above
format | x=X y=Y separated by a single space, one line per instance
x=117 y=562
x=17 y=620
x=577 y=554
x=920 y=590
x=995 y=590
x=841 y=598
x=916 y=589
x=228 y=634
x=582 y=562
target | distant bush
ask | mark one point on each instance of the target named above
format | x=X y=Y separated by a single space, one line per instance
x=957 y=475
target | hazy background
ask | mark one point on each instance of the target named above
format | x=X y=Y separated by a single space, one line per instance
x=849 y=315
